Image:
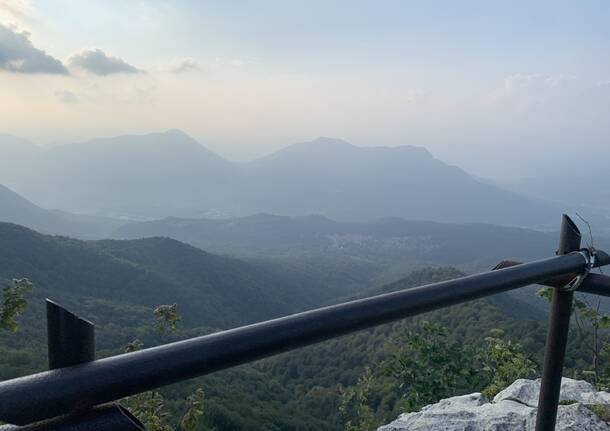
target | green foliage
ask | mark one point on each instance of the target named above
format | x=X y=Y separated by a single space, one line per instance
x=546 y=293
x=354 y=407
x=166 y=318
x=150 y=407
x=133 y=346
x=318 y=369
x=13 y=303
x=591 y=325
x=296 y=391
x=212 y=291
x=194 y=411
x=505 y=361
x=602 y=411
x=430 y=366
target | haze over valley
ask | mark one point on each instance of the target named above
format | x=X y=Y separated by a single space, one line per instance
x=171 y=174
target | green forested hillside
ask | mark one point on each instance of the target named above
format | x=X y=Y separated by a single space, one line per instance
x=115 y=283
x=354 y=256
x=210 y=290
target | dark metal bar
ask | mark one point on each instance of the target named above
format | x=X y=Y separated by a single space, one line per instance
x=52 y=393
x=105 y=418
x=596 y=284
x=557 y=336
x=71 y=340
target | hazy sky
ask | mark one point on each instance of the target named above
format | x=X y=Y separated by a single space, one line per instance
x=481 y=84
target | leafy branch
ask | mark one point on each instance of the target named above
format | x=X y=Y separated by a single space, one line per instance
x=14 y=303
x=149 y=407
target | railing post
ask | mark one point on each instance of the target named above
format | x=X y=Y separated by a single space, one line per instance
x=557 y=336
x=71 y=340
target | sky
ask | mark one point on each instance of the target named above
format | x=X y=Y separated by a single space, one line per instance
x=497 y=88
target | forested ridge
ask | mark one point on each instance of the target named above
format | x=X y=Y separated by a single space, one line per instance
x=116 y=284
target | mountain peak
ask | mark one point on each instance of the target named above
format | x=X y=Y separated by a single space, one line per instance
x=145 y=140
x=168 y=144
x=320 y=145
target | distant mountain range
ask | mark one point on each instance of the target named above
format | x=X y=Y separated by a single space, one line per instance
x=170 y=173
x=136 y=175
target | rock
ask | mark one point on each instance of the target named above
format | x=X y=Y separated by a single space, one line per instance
x=526 y=392
x=523 y=391
x=513 y=409
x=467 y=412
x=577 y=417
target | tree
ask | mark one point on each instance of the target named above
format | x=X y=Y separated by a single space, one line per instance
x=13 y=303
x=149 y=407
x=591 y=325
x=166 y=318
x=429 y=366
x=354 y=404
x=194 y=410
x=504 y=361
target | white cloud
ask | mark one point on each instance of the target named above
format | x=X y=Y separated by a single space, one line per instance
x=19 y=55
x=97 y=62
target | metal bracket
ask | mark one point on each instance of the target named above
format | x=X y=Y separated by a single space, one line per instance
x=589 y=255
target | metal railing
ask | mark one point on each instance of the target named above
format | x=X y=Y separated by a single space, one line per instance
x=76 y=385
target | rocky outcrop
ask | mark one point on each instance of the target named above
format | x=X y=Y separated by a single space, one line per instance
x=526 y=392
x=513 y=409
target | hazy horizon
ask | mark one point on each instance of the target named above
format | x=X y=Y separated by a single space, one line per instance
x=476 y=84
x=243 y=158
